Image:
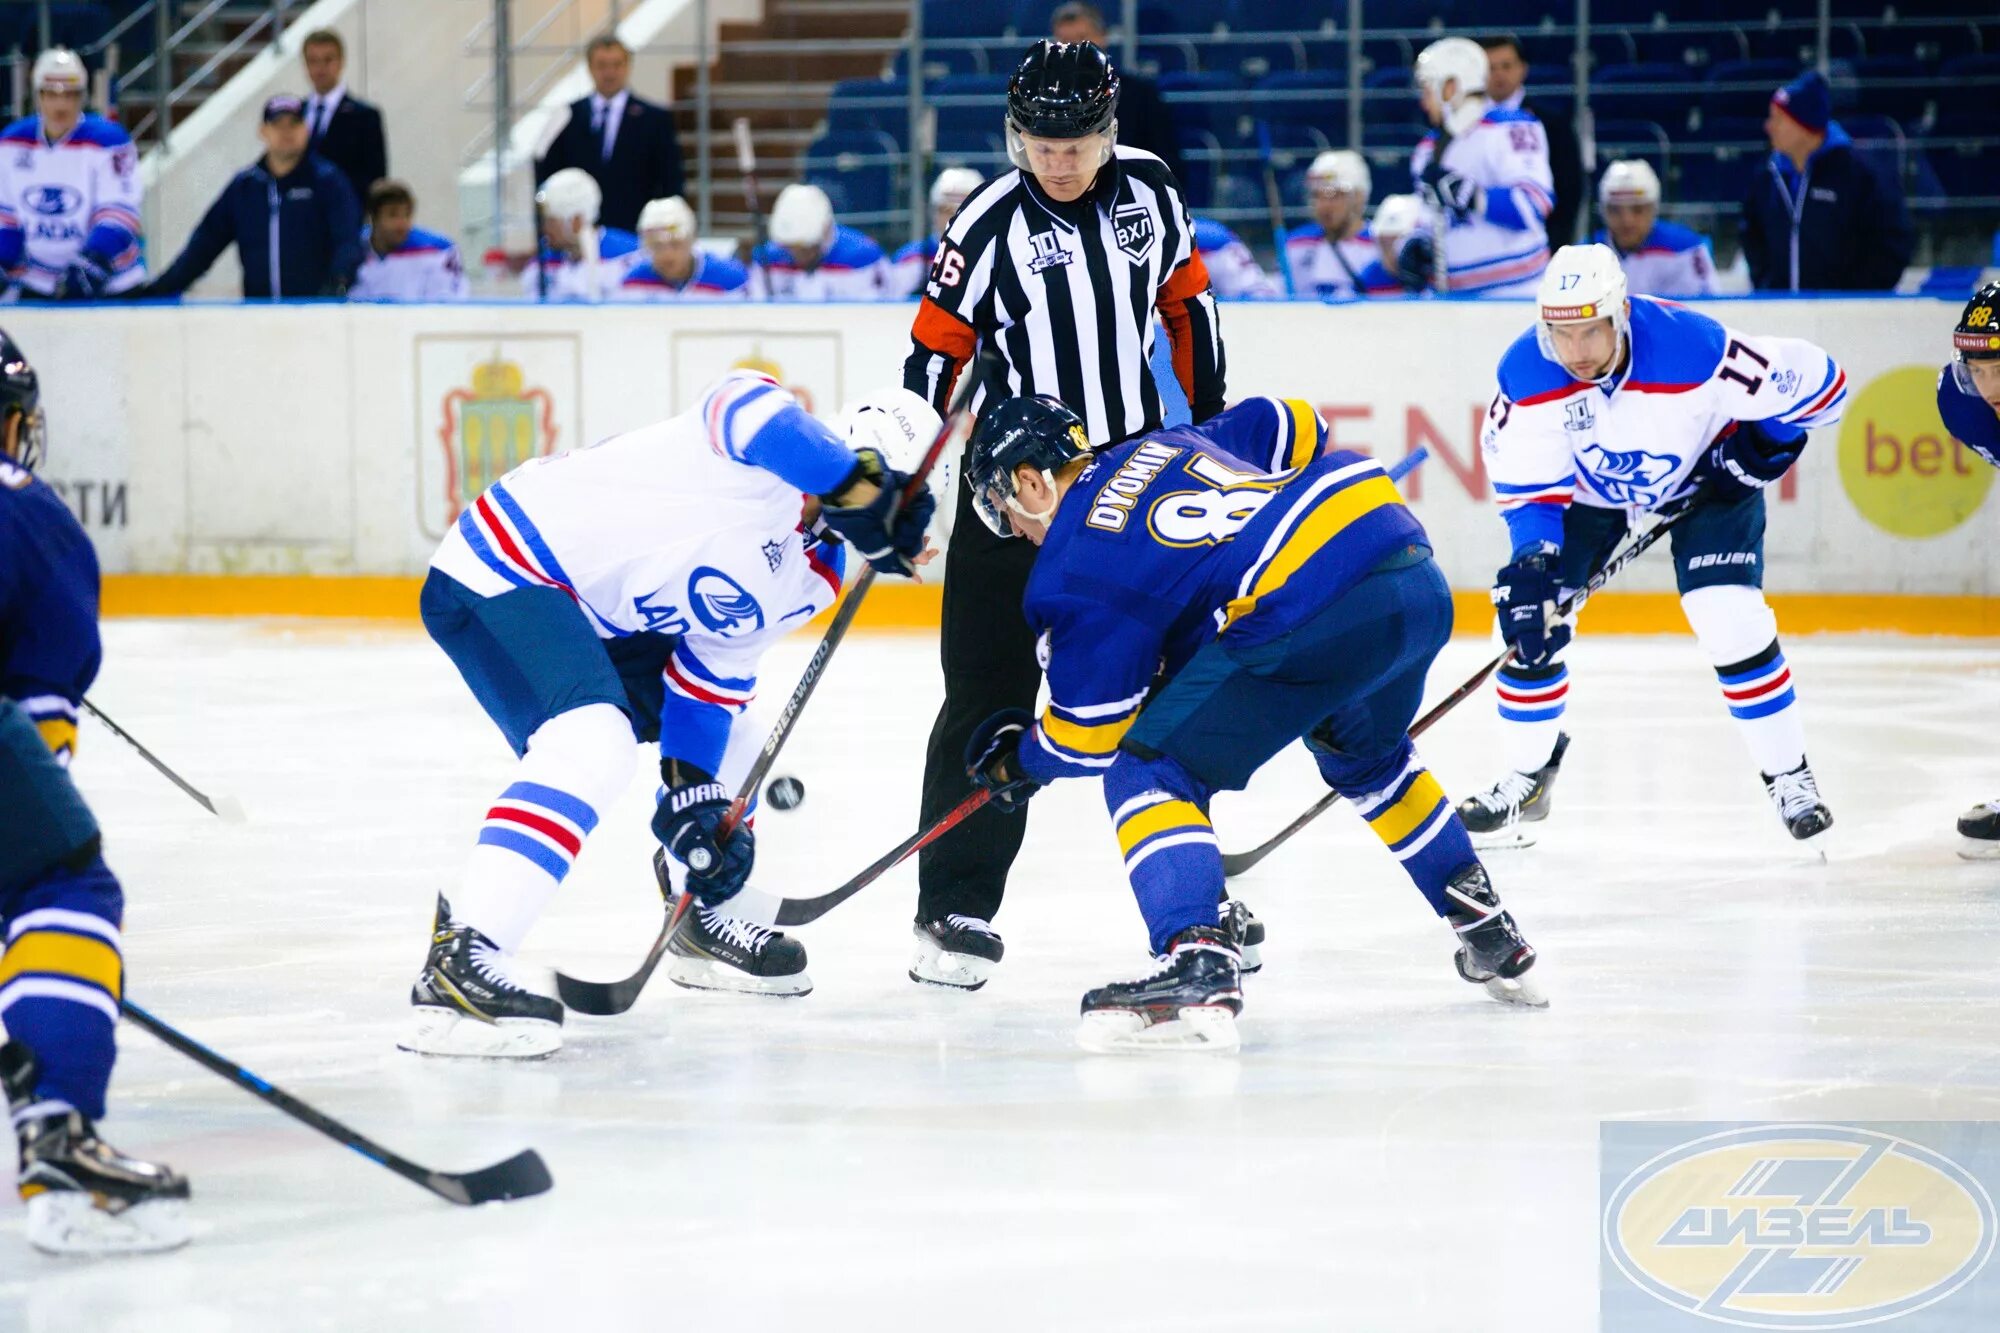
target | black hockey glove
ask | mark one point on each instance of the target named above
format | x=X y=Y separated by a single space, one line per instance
x=891 y=545
x=1745 y=461
x=1525 y=596
x=1416 y=262
x=1456 y=195
x=993 y=759
x=84 y=279
x=688 y=824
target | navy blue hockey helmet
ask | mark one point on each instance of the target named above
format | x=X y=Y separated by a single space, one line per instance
x=22 y=436
x=1036 y=432
x=1977 y=337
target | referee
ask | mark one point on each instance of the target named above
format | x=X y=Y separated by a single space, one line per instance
x=1051 y=274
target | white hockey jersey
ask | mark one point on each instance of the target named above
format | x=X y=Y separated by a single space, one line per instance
x=1502 y=249
x=572 y=280
x=852 y=269
x=1630 y=442
x=1672 y=261
x=425 y=267
x=689 y=527
x=1334 y=271
x=59 y=200
x=1233 y=271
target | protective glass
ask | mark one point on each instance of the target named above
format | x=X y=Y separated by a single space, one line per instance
x=31 y=444
x=1545 y=337
x=1044 y=157
x=992 y=499
x=1968 y=374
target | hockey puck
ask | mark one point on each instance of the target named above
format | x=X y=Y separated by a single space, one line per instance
x=784 y=793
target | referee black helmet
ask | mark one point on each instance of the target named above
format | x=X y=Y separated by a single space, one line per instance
x=1062 y=90
x=1037 y=432
x=22 y=437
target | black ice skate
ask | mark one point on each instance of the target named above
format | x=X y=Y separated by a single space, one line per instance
x=959 y=951
x=716 y=951
x=1495 y=817
x=1243 y=926
x=1795 y=796
x=467 y=1001
x=1979 y=832
x=1491 y=951
x=83 y=1195
x=1191 y=1004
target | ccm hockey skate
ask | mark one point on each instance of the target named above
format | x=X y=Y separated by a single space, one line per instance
x=1491 y=950
x=1496 y=817
x=1190 y=1004
x=715 y=951
x=467 y=1001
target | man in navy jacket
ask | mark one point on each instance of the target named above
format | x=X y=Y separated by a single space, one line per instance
x=291 y=215
x=1819 y=217
x=628 y=145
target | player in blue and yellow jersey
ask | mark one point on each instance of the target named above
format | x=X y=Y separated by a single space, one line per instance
x=1968 y=402
x=1283 y=592
x=60 y=906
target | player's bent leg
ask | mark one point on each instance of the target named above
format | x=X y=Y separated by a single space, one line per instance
x=1160 y=813
x=1979 y=832
x=1739 y=632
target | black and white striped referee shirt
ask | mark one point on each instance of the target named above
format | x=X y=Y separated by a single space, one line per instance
x=1065 y=293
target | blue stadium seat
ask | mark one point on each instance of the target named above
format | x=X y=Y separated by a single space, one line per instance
x=858 y=105
x=1908 y=105
x=1302 y=97
x=1239 y=192
x=1197 y=17
x=1202 y=162
x=1965 y=170
x=1618 y=139
x=1731 y=129
x=1289 y=16
x=1800 y=46
x=1685 y=48
x=1721 y=175
x=1171 y=57
x=987 y=152
x=1754 y=81
x=1624 y=13
x=1388 y=100
x=966 y=18
x=1389 y=173
x=858 y=171
x=1211 y=101
x=979 y=103
x=1259 y=56
x=1407 y=13
x=1981 y=105
x=941 y=61
x=1927 y=43
x=1665 y=102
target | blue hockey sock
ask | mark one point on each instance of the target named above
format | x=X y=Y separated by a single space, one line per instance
x=1412 y=816
x=61 y=978
x=1160 y=812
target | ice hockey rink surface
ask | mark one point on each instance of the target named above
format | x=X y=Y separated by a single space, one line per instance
x=1390 y=1151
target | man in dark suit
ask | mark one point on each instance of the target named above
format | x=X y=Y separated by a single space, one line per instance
x=345 y=130
x=628 y=145
x=1143 y=118
x=1506 y=73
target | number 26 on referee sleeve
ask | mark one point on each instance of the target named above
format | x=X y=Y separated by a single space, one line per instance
x=950 y=266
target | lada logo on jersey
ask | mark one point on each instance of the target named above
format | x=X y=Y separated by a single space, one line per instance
x=1049 y=251
x=1136 y=234
x=491 y=429
x=1112 y=505
x=721 y=604
x=1578 y=414
x=1626 y=476
x=53 y=200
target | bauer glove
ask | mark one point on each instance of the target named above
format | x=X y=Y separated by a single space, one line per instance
x=887 y=530
x=1524 y=595
x=1746 y=460
x=993 y=758
x=688 y=824
x=1459 y=197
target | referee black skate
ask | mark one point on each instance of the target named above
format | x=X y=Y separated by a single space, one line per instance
x=1056 y=269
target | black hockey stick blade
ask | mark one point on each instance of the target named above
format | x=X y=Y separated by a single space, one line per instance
x=226 y=808
x=798 y=911
x=603 y=999
x=1235 y=863
x=519 y=1177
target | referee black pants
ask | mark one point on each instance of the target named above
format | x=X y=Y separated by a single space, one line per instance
x=989 y=664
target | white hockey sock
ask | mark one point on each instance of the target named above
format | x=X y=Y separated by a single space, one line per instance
x=1532 y=700
x=577 y=764
x=1740 y=635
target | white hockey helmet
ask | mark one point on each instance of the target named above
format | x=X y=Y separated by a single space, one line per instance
x=803 y=215
x=672 y=216
x=953 y=184
x=1397 y=216
x=1581 y=283
x=1631 y=181
x=59 y=70
x=570 y=194
x=1340 y=171
x=1457 y=63
x=901 y=426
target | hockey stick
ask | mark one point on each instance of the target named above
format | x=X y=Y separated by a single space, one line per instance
x=226 y=808
x=746 y=165
x=1409 y=462
x=519 y=1177
x=1274 y=200
x=1235 y=863
x=604 y=998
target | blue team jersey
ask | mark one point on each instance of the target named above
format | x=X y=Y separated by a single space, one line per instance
x=1968 y=418
x=712 y=276
x=1238 y=527
x=49 y=650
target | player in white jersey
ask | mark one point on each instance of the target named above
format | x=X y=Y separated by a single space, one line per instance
x=625 y=592
x=1233 y=271
x=675 y=268
x=1326 y=257
x=1610 y=409
x=810 y=257
x=579 y=260
x=1485 y=173
x=69 y=193
x=1660 y=258
x=400 y=261
x=1397 y=218
x=910 y=265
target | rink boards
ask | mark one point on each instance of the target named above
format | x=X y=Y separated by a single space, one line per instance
x=305 y=459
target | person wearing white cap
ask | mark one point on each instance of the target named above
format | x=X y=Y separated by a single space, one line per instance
x=810 y=257
x=1397 y=218
x=675 y=268
x=579 y=259
x=1327 y=255
x=1659 y=258
x=911 y=264
x=69 y=193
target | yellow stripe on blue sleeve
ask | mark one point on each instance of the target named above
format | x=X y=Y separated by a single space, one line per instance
x=1324 y=524
x=1101 y=738
x=1305 y=432
x=59 y=734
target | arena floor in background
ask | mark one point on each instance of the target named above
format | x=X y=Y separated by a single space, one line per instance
x=1391 y=1150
